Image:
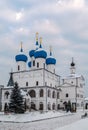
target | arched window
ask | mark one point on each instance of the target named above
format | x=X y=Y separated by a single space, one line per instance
x=53 y=106
x=57 y=95
x=33 y=62
x=49 y=93
x=41 y=93
x=37 y=64
x=26 y=83
x=49 y=106
x=53 y=94
x=33 y=106
x=41 y=107
x=67 y=95
x=18 y=67
x=6 y=95
x=58 y=106
x=32 y=93
x=37 y=83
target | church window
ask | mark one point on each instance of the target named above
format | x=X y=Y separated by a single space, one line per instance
x=18 y=67
x=72 y=82
x=37 y=83
x=41 y=106
x=41 y=93
x=37 y=64
x=26 y=83
x=67 y=95
x=33 y=62
x=33 y=106
x=57 y=95
x=32 y=93
x=58 y=106
x=49 y=94
x=6 y=95
x=53 y=94
x=53 y=106
x=49 y=106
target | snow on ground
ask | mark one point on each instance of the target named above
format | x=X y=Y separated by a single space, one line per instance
x=79 y=125
x=34 y=121
x=30 y=116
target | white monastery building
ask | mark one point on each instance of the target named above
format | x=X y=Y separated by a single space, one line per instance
x=42 y=88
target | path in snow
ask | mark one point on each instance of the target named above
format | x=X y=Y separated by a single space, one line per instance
x=49 y=124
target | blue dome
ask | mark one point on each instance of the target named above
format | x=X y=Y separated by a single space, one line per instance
x=29 y=63
x=50 y=60
x=40 y=53
x=31 y=53
x=21 y=57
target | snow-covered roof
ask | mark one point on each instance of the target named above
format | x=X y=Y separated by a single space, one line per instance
x=73 y=76
x=23 y=93
x=67 y=85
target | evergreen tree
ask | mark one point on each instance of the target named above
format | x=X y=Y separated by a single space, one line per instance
x=16 y=104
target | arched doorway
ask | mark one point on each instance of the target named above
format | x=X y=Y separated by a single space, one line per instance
x=33 y=106
x=41 y=107
x=53 y=106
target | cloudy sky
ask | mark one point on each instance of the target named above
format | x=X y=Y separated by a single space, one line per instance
x=62 y=24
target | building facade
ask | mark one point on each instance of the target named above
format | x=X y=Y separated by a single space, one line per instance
x=73 y=88
x=41 y=83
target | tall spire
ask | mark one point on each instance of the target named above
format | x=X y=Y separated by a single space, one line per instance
x=37 y=40
x=40 y=42
x=72 y=66
x=72 y=63
x=11 y=81
x=50 y=50
x=21 y=46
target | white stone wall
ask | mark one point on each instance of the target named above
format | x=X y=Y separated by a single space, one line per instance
x=75 y=88
x=51 y=79
x=41 y=62
x=4 y=99
x=42 y=76
x=51 y=68
x=22 y=66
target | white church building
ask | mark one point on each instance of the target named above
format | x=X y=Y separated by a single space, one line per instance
x=43 y=88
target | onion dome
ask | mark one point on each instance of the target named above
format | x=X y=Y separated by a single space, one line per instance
x=29 y=63
x=40 y=53
x=50 y=59
x=21 y=56
x=31 y=53
x=72 y=64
